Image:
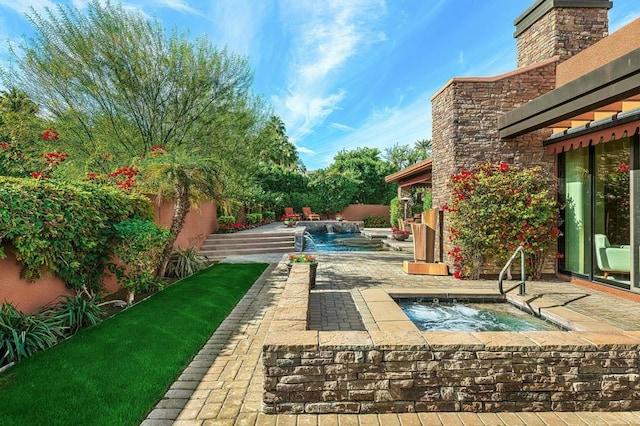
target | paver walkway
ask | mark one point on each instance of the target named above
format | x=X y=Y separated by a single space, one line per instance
x=223 y=384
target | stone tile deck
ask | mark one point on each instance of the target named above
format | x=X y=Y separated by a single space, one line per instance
x=223 y=384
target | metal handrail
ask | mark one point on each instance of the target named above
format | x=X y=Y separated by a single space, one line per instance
x=523 y=277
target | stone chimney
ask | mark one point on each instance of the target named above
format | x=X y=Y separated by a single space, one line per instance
x=561 y=28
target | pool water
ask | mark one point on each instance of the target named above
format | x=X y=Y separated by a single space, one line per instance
x=343 y=242
x=447 y=316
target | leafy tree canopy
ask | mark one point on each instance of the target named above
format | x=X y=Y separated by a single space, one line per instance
x=366 y=165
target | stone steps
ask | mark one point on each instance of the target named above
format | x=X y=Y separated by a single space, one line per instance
x=219 y=246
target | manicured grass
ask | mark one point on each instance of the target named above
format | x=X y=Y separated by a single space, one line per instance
x=115 y=372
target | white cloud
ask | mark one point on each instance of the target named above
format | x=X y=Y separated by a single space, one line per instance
x=325 y=35
x=305 y=150
x=623 y=20
x=342 y=127
x=237 y=25
x=404 y=124
x=24 y=6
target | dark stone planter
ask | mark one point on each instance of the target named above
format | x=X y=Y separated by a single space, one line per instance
x=400 y=237
x=313 y=268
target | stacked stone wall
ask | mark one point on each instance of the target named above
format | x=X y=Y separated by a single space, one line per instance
x=465 y=130
x=528 y=378
x=562 y=32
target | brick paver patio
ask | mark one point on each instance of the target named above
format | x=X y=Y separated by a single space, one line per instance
x=223 y=384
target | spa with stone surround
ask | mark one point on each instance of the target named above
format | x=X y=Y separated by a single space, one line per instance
x=394 y=367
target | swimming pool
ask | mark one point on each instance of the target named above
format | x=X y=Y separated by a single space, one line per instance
x=343 y=242
x=467 y=316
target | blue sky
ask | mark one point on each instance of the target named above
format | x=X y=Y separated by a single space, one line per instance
x=344 y=73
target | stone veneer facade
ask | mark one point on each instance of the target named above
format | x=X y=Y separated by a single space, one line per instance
x=561 y=32
x=465 y=111
x=397 y=368
x=465 y=127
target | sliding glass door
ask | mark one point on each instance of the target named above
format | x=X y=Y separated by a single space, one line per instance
x=612 y=211
x=594 y=187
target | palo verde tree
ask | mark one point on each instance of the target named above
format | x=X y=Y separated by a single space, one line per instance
x=120 y=88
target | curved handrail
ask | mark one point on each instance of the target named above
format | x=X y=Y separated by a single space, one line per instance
x=523 y=277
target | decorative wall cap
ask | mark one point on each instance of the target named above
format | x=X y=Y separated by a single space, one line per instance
x=541 y=7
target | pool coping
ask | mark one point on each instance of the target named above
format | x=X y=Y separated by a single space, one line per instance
x=385 y=311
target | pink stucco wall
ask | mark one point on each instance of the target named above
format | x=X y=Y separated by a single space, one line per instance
x=201 y=220
x=361 y=211
x=31 y=297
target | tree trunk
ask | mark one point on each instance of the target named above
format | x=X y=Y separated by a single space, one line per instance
x=180 y=209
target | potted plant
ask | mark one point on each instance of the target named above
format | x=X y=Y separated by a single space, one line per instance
x=339 y=217
x=399 y=235
x=307 y=259
x=289 y=220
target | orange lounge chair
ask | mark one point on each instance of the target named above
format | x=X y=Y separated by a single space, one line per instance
x=288 y=211
x=307 y=214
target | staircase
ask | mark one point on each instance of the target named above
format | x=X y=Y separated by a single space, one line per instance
x=218 y=246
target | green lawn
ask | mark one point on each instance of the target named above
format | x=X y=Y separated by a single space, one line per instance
x=115 y=372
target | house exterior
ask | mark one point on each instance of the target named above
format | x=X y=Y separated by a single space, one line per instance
x=572 y=106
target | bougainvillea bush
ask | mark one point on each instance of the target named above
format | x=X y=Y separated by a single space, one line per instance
x=495 y=208
x=66 y=228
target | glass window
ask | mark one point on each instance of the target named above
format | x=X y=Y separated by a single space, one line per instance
x=575 y=195
x=612 y=210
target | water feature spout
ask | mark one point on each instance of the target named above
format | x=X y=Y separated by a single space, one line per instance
x=329 y=227
x=309 y=243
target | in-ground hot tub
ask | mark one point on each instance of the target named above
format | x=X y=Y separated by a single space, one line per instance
x=494 y=314
x=394 y=367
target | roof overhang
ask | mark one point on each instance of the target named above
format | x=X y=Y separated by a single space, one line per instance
x=616 y=81
x=419 y=172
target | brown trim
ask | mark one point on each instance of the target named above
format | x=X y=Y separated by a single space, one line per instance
x=616 y=81
x=421 y=167
x=623 y=294
x=595 y=137
x=497 y=77
x=426 y=178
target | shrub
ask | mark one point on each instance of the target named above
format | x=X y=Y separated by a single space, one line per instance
x=78 y=311
x=416 y=209
x=21 y=335
x=226 y=220
x=375 y=221
x=141 y=243
x=496 y=207
x=253 y=218
x=184 y=262
x=269 y=215
x=396 y=211
x=67 y=228
x=427 y=201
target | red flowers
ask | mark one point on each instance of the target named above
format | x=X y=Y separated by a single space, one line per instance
x=503 y=167
x=128 y=173
x=50 y=135
x=5 y=145
x=54 y=158
x=621 y=168
x=39 y=175
x=158 y=150
x=90 y=176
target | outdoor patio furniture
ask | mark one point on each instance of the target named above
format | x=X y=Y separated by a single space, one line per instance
x=288 y=212
x=307 y=214
x=612 y=259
